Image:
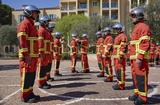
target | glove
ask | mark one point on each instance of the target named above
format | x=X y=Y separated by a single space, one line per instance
x=139 y=63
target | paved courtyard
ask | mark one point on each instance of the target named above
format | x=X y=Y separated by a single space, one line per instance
x=74 y=89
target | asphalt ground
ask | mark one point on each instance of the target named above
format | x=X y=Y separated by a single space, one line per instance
x=74 y=89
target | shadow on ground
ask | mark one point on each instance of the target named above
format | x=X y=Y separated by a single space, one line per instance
x=8 y=67
x=72 y=79
x=72 y=85
x=155 y=99
x=68 y=96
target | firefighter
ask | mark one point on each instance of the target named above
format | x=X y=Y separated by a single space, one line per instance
x=28 y=53
x=84 y=50
x=51 y=58
x=157 y=57
x=44 y=52
x=74 y=52
x=107 y=44
x=152 y=53
x=99 y=49
x=119 y=51
x=139 y=53
x=57 y=52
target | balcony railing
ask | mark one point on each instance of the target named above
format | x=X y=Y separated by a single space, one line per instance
x=72 y=7
x=64 y=8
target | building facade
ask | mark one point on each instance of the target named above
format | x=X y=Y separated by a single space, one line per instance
x=53 y=13
x=111 y=9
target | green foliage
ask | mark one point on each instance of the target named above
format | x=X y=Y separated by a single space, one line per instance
x=153 y=19
x=67 y=22
x=5 y=14
x=8 y=35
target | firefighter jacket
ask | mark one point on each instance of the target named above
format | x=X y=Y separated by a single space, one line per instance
x=57 y=49
x=107 y=46
x=99 y=46
x=84 y=46
x=74 y=47
x=120 y=45
x=44 y=40
x=28 y=39
x=140 y=41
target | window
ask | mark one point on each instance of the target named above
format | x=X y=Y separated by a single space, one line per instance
x=94 y=3
x=83 y=5
x=114 y=15
x=21 y=18
x=105 y=5
x=52 y=16
x=94 y=14
x=114 y=5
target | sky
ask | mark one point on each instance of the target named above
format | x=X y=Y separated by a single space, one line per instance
x=17 y=4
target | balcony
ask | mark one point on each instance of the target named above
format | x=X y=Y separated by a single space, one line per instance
x=64 y=8
x=72 y=7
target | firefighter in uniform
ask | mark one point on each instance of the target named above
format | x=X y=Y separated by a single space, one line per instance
x=57 y=52
x=51 y=58
x=99 y=49
x=139 y=53
x=44 y=52
x=119 y=51
x=84 y=50
x=107 y=44
x=28 y=53
x=74 y=52
x=152 y=54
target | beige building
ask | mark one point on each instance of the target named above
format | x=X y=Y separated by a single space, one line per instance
x=53 y=13
x=113 y=9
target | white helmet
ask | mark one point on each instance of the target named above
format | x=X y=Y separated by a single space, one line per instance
x=74 y=34
x=84 y=35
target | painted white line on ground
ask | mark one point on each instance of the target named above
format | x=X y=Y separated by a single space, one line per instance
x=52 y=94
x=8 y=76
x=9 y=96
x=71 y=102
x=9 y=85
x=154 y=92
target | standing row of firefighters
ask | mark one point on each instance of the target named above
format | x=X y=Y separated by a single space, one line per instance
x=37 y=47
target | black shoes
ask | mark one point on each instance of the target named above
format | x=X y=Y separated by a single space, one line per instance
x=108 y=80
x=132 y=98
x=100 y=75
x=31 y=99
x=139 y=101
x=117 y=87
x=51 y=79
x=45 y=86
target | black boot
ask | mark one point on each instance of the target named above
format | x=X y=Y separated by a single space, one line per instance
x=132 y=97
x=139 y=101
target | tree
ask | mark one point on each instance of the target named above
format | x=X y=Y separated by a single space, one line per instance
x=153 y=18
x=67 y=22
x=8 y=35
x=5 y=14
